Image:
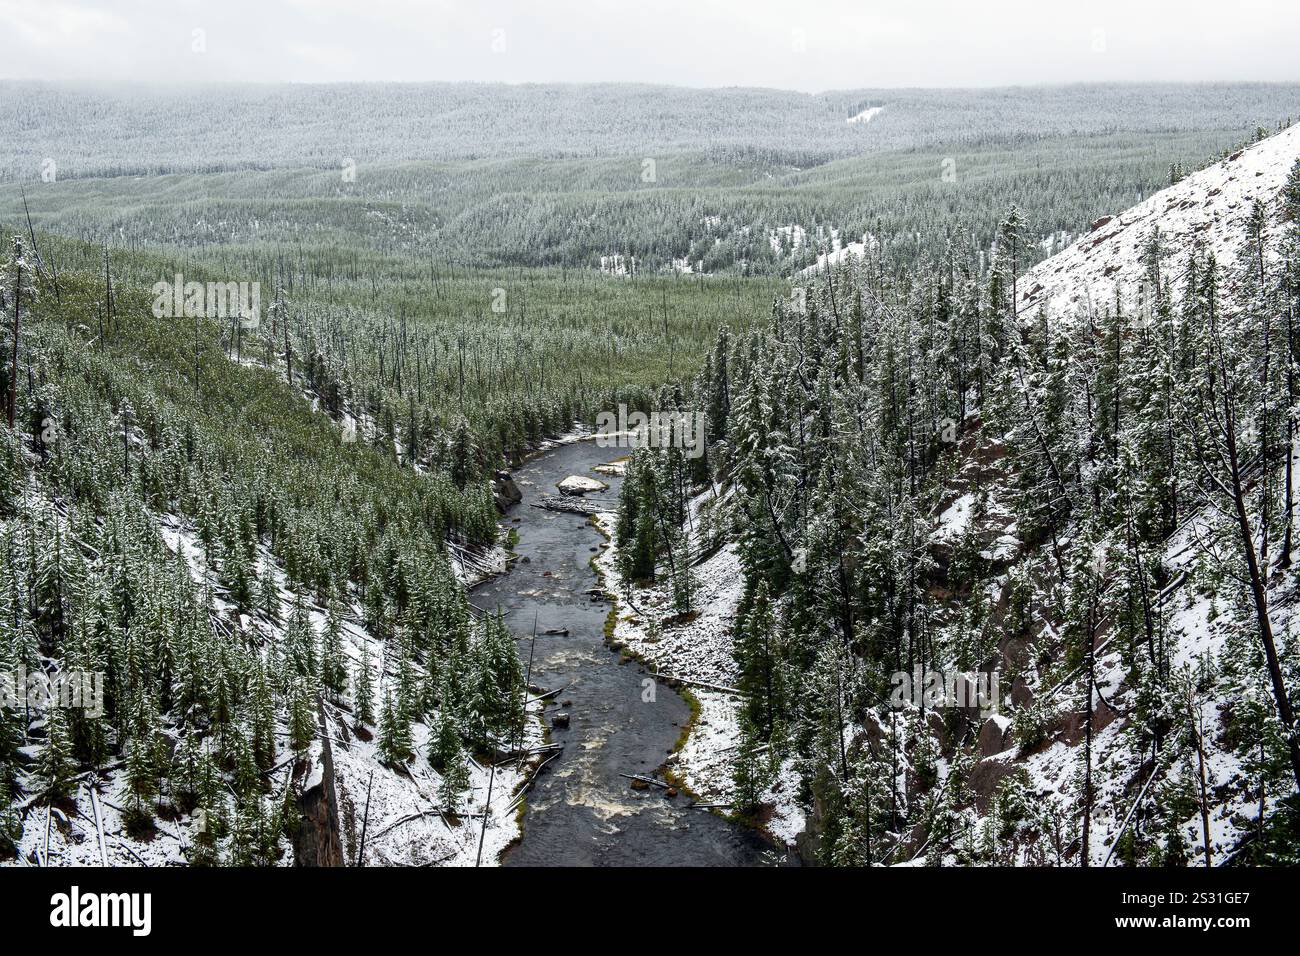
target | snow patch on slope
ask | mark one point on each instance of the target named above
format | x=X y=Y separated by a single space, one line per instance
x=866 y=116
x=1207 y=209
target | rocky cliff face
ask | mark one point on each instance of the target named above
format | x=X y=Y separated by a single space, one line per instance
x=317 y=841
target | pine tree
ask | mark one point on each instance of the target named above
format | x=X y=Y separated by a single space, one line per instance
x=749 y=776
x=364 y=703
x=261 y=710
x=444 y=741
x=394 y=734
x=685 y=581
x=455 y=781
x=54 y=767
x=302 y=719
x=188 y=768
x=10 y=741
x=334 y=672
x=141 y=779
x=268 y=594
x=757 y=656
x=463 y=454
x=17 y=279
x=300 y=641
x=245 y=775
x=408 y=701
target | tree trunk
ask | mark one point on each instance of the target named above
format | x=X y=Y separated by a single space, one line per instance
x=1203 y=800
x=13 y=361
x=1085 y=853
x=1260 y=595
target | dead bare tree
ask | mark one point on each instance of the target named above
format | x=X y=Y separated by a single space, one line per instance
x=17 y=265
x=1217 y=452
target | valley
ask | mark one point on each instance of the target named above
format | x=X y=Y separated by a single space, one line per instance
x=990 y=388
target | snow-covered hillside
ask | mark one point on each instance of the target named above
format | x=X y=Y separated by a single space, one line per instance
x=1206 y=210
x=1035 y=746
x=398 y=809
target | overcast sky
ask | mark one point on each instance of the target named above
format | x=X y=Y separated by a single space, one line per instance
x=794 y=44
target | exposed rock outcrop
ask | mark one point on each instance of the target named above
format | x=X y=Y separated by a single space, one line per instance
x=317 y=842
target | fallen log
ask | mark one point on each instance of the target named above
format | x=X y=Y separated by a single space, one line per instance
x=549 y=694
x=699 y=683
x=99 y=824
x=649 y=780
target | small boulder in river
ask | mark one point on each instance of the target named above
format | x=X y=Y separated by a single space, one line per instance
x=560 y=721
x=504 y=491
x=578 y=485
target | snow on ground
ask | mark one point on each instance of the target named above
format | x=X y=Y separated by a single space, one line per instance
x=704 y=762
x=840 y=253
x=617 y=264
x=955 y=519
x=1055 y=772
x=698 y=651
x=579 y=432
x=53 y=837
x=404 y=827
x=866 y=116
x=1199 y=625
x=788 y=820
x=794 y=236
x=1207 y=209
x=473 y=568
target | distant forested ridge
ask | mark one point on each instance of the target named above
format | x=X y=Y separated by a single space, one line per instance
x=140 y=130
x=657 y=179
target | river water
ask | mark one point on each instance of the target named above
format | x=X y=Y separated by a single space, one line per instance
x=580 y=812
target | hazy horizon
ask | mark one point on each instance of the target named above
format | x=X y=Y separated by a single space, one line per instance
x=704 y=44
x=89 y=83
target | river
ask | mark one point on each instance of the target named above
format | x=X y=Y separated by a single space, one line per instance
x=580 y=812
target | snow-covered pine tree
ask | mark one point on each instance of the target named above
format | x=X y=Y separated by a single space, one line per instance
x=394 y=743
x=363 y=706
x=55 y=768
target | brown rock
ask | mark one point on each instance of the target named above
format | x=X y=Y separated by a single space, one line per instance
x=504 y=491
x=995 y=736
x=1021 y=695
x=986 y=776
x=317 y=841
